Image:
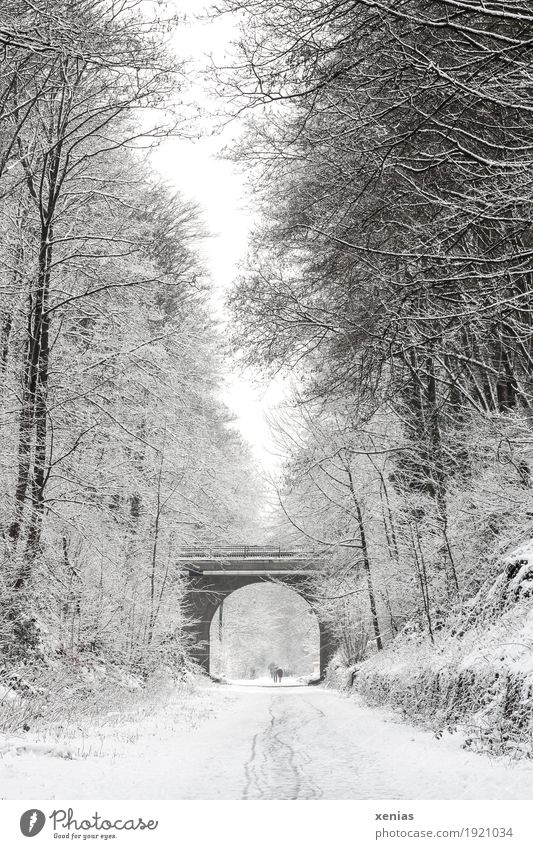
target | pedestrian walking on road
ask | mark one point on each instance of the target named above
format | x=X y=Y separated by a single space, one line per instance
x=279 y=674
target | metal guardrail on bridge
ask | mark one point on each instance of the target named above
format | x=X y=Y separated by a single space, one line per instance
x=227 y=552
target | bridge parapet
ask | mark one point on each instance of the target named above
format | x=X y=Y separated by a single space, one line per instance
x=234 y=552
x=247 y=560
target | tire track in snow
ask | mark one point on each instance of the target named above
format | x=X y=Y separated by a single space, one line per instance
x=282 y=753
x=316 y=790
x=250 y=771
x=276 y=768
x=266 y=770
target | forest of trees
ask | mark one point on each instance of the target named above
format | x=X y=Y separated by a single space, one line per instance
x=115 y=447
x=390 y=145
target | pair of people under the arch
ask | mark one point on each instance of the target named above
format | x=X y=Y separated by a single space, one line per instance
x=276 y=673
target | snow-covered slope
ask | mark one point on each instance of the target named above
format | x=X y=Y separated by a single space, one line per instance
x=477 y=673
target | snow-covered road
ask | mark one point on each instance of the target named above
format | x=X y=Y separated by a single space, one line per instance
x=253 y=742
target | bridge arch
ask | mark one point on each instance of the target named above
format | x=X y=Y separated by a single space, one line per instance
x=262 y=623
x=213 y=575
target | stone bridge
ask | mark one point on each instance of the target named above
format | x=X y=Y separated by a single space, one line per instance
x=214 y=573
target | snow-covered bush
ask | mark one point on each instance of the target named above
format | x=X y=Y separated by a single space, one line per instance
x=338 y=674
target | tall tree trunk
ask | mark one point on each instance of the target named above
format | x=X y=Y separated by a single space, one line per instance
x=366 y=563
x=33 y=419
x=157 y=519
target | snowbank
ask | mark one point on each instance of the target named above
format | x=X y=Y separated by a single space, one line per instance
x=60 y=695
x=477 y=675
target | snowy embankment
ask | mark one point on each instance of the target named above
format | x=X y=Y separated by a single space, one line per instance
x=65 y=710
x=476 y=677
x=70 y=758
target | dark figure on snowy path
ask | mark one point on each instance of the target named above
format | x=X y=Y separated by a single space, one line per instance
x=279 y=675
x=272 y=669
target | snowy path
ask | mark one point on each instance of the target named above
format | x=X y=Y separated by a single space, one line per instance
x=269 y=743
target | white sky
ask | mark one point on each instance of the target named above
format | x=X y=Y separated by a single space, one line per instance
x=216 y=185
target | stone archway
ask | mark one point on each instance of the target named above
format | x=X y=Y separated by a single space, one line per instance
x=205 y=592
